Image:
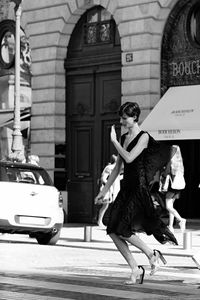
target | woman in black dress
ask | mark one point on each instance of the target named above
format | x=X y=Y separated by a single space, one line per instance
x=133 y=210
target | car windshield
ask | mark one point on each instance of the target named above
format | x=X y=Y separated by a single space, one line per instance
x=16 y=174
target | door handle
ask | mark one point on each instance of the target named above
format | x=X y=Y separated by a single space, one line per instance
x=82 y=175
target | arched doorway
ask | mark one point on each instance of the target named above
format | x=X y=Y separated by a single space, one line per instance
x=93 y=96
x=181 y=67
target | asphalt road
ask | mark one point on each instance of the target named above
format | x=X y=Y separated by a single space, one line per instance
x=74 y=269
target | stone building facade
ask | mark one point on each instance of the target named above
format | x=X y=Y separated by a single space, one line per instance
x=49 y=26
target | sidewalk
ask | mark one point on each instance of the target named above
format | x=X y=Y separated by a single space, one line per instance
x=189 y=242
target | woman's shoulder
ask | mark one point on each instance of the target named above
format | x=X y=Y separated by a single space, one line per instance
x=143 y=135
x=142 y=132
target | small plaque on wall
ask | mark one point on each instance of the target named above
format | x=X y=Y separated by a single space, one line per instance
x=129 y=57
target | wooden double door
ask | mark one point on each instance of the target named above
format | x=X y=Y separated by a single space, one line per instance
x=93 y=100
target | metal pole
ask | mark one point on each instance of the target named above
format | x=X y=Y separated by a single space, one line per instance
x=17 y=143
x=187 y=240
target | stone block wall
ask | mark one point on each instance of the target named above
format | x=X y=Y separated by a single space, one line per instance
x=4 y=9
x=49 y=25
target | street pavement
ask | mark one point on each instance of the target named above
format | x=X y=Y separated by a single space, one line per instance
x=95 y=270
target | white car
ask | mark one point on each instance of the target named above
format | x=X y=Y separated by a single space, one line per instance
x=29 y=202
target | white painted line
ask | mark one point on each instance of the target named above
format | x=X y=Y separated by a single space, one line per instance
x=5 y=295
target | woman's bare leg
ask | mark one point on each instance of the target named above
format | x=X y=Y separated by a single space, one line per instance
x=123 y=248
x=174 y=214
x=101 y=213
x=171 y=209
x=171 y=220
x=138 y=243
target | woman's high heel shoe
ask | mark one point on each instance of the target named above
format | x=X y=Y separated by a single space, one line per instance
x=137 y=276
x=154 y=261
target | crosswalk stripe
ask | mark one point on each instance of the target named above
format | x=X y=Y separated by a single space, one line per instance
x=73 y=288
x=6 y=295
x=115 y=292
x=165 y=271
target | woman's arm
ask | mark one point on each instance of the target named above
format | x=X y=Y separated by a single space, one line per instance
x=135 y=152
x=105 y=174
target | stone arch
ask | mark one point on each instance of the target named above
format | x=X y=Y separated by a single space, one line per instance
x=164 y=22
x=157 y=24
x=175 y=37
x=67 y=28
x=50 y=26
x=75 y=13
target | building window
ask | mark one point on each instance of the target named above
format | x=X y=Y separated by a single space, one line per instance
x=194 y=25
x=8 y=47
x=7 y=43
x=98 y=27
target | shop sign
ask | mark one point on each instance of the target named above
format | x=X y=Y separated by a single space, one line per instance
x=169 y=133
x=182 y=112
x=185 y=68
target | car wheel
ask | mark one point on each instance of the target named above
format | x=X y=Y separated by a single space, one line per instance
x=48 y=238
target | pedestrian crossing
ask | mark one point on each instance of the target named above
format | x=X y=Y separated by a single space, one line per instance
x=85 y=287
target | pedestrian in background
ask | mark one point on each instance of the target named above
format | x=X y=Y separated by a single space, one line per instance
x=133 y=210
x=112 y=192
x=33 y=159
x=171 y=183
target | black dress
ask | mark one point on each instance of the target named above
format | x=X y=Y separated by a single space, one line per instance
x=133 y=210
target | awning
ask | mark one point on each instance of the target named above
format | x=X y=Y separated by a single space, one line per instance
x=176 y=116
x=7 y=115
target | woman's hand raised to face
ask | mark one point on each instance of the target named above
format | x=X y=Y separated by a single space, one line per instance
x=113 y=135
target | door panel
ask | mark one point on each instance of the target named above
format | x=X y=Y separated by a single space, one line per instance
x=81 y=156
x=80 y=179
x=81 y=93
x=94 y=100
x=109 y=98
x=109 y=93
x=80 y=209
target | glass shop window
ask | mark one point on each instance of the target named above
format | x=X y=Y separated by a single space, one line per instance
x=194 y=23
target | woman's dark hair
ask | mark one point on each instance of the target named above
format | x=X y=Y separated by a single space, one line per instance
x=131 y=109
